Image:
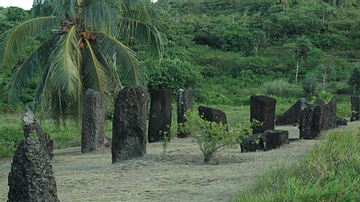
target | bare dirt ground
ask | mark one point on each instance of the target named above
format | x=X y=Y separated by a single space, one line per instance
x=180 y=176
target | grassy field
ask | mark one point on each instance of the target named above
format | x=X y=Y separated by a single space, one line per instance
x=330 y=172
x=179 y=176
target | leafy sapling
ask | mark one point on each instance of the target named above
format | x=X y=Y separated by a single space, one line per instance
x=166 y=137
x=213 y=137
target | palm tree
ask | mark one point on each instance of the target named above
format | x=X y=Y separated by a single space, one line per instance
x=85 y=50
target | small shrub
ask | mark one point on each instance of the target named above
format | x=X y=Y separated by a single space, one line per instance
x=324 y=95
x=166 y=138
x=212 y=137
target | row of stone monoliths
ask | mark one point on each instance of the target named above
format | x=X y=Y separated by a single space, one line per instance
x=32 y=178
x=130 y=115
x=129 y=120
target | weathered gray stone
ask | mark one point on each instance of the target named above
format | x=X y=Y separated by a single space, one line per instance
x=292 y=115
x=129 y=123
x=31 y=177
x=160 y=114
x=184 y=103
x=92 y=134
x=213 y=115
x=262 y=108
x=330 y=115
x=355 y=107
x=312 y=120
x=31 y=126
x=275 y=138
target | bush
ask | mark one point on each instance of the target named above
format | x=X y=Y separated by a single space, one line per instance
x=324 y=95
x=212 y=137
x=173 y=74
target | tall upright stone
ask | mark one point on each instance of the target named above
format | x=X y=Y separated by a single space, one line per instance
x=160 y=114
x=355 y=108
x=129 y=123
x=92 y=134
x=262 y=108
x=305 y=123
x=330 y=115
x=31 y=177
x=32 y=126
x=184 y=103
x=312 y=120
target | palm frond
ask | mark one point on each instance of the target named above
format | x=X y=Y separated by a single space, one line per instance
x=100 y=15
x=125 y=58
x=93 y=69
x=31 y=66
x=39 y=92
x=12 y=41
x=133 y=28
x=98 y=75
x=136 y=21
x=65 y=65
x=61 y=86
x=113 y=77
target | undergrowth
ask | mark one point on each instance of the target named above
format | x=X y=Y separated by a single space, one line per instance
x=330 y=172
x=11 y=133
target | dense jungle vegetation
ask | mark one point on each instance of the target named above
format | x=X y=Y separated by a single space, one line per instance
x=225 y=47
x=228 y=50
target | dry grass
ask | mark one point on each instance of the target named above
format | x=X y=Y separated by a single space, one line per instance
x=180 y=176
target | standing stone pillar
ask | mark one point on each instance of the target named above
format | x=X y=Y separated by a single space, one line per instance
x=305 y=123
x=262 y=108
x=32 y=126
x=184 y=102
x=160 y=114
x=92 y=134
x=330 y=115
x=312 y=120
x=355 y=107
x=129 y=123
x=31 y=177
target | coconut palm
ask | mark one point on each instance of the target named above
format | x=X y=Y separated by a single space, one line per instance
x=86 y=49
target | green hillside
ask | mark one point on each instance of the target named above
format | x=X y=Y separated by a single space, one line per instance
x=228 y=50
x=232 y=45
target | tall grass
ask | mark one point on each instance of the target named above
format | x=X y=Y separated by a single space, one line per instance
x=281 y=88
x=330 y=172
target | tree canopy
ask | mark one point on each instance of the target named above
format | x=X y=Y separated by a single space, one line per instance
x=86 y=48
